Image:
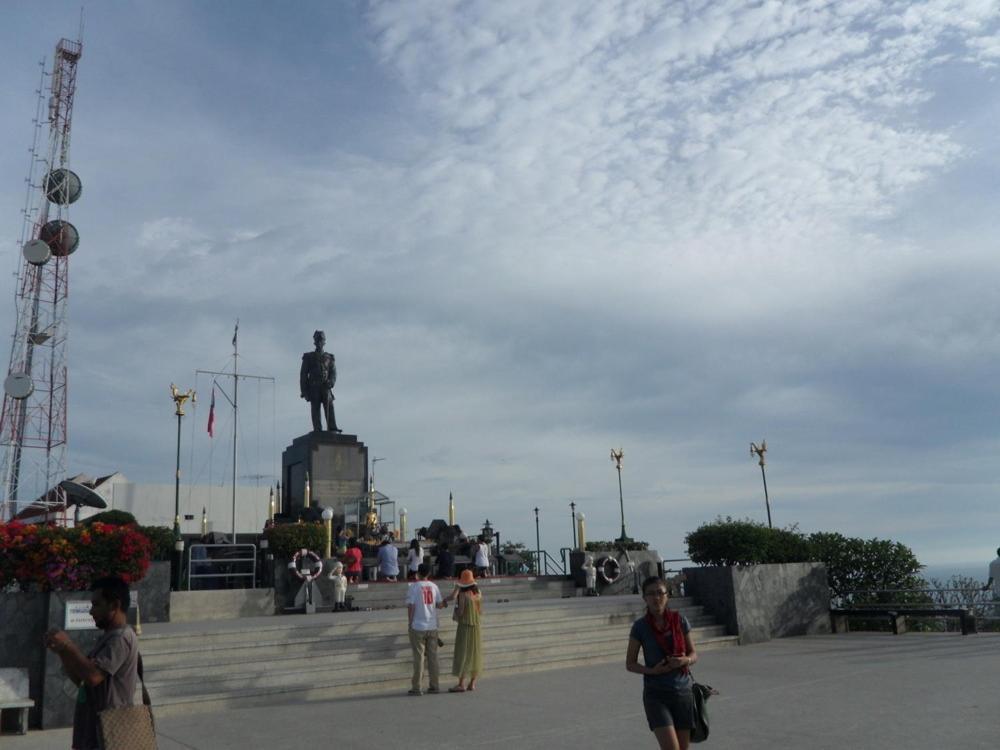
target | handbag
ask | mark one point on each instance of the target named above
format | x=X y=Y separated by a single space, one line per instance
x=699 y=732
x=129 y=727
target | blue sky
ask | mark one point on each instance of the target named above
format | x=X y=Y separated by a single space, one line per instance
x=537 y=231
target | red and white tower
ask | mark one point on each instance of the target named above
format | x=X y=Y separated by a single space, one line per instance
x=33 y=421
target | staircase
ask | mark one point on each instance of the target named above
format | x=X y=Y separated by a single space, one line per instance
x=206 y=666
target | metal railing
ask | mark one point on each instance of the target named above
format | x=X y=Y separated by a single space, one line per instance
x=979 y=601
x=219 y=568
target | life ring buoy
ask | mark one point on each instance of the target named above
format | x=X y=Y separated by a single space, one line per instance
x=312 y=571
x=608 y=569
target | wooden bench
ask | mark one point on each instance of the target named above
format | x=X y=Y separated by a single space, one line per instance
x=897 y=616
x=14 y=694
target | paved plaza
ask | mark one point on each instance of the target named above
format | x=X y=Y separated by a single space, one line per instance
x=861 y=690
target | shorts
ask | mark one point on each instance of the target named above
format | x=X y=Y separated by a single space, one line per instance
x=666 y=708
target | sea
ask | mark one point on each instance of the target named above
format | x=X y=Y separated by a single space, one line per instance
x=943 y=572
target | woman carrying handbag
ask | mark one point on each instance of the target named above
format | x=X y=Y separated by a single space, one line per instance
x=668 y=651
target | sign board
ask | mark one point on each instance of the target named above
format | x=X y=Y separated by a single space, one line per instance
x=78 y=616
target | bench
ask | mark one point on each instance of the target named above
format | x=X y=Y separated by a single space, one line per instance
x=897 y=616
x=14 y=694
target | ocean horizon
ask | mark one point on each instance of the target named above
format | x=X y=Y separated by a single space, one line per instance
x=944 y=572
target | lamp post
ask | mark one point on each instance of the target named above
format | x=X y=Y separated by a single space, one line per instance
x=617 y=456
x=538 y=547
x=204 y=521
x=572 y=509
x=179 y=400
x=328 y=524
x=760 y=451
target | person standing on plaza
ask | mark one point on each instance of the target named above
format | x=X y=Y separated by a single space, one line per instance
x=994 y=583
x=388 y=561
x=481 y=558
x=445 y=561
x=108 y=674
x=668 y=650
x=468 y=659
x=414 y=556
x=423 y=600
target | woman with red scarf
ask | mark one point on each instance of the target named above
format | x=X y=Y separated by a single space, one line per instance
x=665 y=639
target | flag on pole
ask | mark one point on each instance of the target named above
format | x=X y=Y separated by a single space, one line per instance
x=211 y=415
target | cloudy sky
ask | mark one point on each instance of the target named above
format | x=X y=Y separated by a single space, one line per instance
x=534 y=231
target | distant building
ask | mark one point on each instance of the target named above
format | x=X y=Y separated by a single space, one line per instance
x=153 y=504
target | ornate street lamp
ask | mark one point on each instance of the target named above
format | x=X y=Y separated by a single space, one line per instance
x=760 y=451
x=617 y=456
x=328 y=524
x=179 y=401
x=572 y=509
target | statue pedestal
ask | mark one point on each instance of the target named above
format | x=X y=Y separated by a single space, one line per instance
x=338 y=472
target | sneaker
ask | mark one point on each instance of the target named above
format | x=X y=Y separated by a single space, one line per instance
x=433 y=690
x=415 y=692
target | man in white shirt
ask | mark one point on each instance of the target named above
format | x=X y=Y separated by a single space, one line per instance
x=994 y=581
x=423 y=600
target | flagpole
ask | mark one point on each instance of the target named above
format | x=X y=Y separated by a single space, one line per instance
x=236 y=401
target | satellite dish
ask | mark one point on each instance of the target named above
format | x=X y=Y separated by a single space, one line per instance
x=36 y=252
x=62 y=186
x=61 y=237
x=78 y=494
x=18 y=385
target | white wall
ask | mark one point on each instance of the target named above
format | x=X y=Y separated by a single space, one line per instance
x=153 y=505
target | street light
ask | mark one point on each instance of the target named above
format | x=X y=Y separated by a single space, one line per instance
x=179 y=400
x=617 y=456
x=328 y=523
x=538 y=547
x=572 y=508
x=760 y=451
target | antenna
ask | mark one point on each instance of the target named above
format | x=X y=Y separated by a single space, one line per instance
x=33 y=420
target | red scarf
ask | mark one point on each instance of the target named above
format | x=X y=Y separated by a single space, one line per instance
x=671 y=625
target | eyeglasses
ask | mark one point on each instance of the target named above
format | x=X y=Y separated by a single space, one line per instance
x=655 y=593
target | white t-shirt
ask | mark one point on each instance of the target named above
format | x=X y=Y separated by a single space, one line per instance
x=995 y=575
x=413 y=558
x=424 y=596
x=482 y=555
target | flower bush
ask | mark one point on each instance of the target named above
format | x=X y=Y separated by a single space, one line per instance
x=287 y=539
x=53 y=558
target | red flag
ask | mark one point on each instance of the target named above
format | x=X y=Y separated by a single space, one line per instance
x=211 y=415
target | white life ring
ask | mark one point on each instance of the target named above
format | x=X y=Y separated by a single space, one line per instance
x=314 y=569
x=608 y=569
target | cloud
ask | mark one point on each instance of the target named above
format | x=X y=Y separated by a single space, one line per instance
x=536 y=230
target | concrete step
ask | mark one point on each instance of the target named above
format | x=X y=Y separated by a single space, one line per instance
x=390 y=635
x=370 y=653
x=371 y=682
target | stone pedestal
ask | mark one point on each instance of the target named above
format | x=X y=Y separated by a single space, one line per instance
x=338 y=472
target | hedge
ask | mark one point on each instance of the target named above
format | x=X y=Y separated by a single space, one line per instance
x=285 y=540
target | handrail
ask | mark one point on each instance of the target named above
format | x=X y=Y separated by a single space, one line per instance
x=209 y=563
x=976 y=599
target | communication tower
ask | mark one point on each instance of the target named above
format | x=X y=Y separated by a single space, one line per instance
x=33 y=421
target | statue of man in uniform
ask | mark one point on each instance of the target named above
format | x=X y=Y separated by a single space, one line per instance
x=316 y=380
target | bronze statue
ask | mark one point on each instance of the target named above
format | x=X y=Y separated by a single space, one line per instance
x=316 y=380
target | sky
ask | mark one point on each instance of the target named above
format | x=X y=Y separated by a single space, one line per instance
x=537 y=231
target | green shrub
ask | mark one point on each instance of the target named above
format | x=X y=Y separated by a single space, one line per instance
x=854 y=564
x=747 y=542
x=287 y=539
x=111 y=518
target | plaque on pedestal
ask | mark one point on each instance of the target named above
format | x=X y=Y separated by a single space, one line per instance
x=337 y=465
